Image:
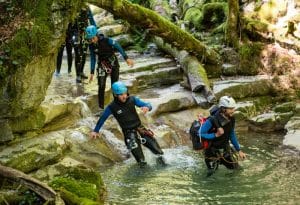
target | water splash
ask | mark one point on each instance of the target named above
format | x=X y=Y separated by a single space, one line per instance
x=85 y=110
x=115 y=143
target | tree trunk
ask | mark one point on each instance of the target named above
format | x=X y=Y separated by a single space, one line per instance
x=232 y=34
x=158 y=26
x=193 y=69
x=43 y=190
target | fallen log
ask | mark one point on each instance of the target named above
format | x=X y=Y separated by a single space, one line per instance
x=43 y=190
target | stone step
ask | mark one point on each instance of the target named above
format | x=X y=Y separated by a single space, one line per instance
x=145 y=62
x=168 y=99
x=146 y=79
x=243 y=86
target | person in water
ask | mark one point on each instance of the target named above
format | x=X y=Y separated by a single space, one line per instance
x=219 y=130
x=123 y=108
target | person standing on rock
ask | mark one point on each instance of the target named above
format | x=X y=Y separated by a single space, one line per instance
x=123 y=108
x=68 y=45
x=219 y=150
x=107 y=61
x=80 y=44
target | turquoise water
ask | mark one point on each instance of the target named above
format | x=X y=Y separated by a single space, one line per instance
x=270 y=175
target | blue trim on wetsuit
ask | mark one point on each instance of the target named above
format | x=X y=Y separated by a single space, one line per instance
x=107 y=112
x=203 y=132
x=112 y=43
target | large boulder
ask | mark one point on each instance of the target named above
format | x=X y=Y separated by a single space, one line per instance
x=243 y=87
x=270 y=122
x=31 y=55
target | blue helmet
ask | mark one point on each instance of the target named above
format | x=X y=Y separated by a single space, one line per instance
x=118 y=88
x=91 y=31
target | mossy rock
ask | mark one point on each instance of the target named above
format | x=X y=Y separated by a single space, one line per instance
x=246 y=110
x=240 y=116
x=28 y=61
x=270 y=122
x=33 y=159
x=6 y=134
x=252 y=89
x=285 y=107
x=25 y=123
x=250 y=63
x=254 y=25
x=80 y=186
x=263 y=102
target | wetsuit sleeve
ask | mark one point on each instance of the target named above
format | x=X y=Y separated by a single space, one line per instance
x=117 y=46
x=93 y=59
x=234 y=140
x=138 y=102
x=91 y=18
x=203 y=132
x=106 y=113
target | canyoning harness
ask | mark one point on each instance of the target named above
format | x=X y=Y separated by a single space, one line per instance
x=137 y=134
x=106 y=65
x=221 y=154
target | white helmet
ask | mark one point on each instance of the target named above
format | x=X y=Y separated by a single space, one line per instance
x=227 y=102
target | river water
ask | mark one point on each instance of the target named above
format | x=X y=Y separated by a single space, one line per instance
x=270 y=175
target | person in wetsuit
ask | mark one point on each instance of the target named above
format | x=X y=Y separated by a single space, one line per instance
x=123 y=108
x=219 y=130
x=107 y=61
x=68 y=45
x=79 y=42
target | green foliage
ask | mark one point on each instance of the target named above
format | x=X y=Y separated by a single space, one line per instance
x=249 y=50
x=31 y=198
x=140 y=38
x=213 y=14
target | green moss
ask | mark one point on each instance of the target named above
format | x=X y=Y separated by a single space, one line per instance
x=33 y=122
x=214 y=14
x=254 y=89
x=79 y=188
x=86 y=175
x=262 y=103
x=250 y=58
x=33 y=37
x=285 y=107
x=252 y=24
x=193 y=16
x=33 y=160
x=71 y=198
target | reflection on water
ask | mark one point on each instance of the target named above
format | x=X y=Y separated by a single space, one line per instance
x=268 y=177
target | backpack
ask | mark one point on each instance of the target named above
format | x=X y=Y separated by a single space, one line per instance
x=199 y=143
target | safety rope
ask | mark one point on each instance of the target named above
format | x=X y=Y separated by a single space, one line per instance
x=234 y=156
